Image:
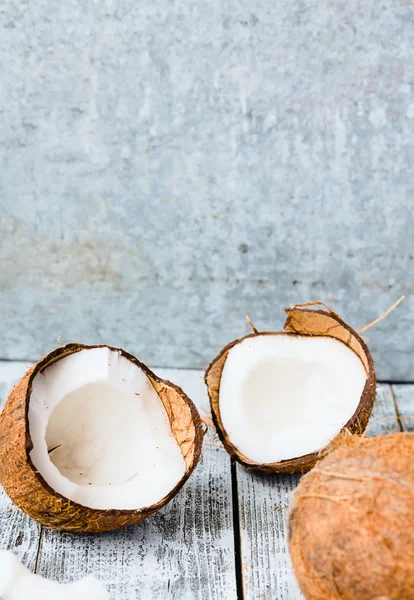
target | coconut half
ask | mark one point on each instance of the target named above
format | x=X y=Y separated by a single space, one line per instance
x=278 y=399
x=92 y=440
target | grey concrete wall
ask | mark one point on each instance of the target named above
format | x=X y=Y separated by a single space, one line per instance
x=168 y=166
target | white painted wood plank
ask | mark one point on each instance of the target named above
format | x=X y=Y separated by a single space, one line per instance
x=404 y=397
x=263 y=508
x=18 y=532
x=185 y=552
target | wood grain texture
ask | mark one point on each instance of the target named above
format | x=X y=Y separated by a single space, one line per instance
x=18 y=532
x=263 y=509
x=404 y=398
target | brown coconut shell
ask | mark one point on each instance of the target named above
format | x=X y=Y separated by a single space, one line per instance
x=299 y=322
x=29 y=491
x=351 y=524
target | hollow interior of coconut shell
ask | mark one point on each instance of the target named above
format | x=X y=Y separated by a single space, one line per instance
x=182 y=417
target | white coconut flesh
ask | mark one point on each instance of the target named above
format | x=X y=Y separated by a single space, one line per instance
x=101 y=436
x=282 y=397
x=18 y=583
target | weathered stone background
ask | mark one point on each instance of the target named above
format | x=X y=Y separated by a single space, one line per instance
x=168 y=166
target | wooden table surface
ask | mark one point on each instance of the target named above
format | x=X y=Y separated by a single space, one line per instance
x=223 y=537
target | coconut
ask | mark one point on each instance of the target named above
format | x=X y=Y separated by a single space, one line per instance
x=351 y=524
x=92 y=440
x=279 y=398
x=17 y=583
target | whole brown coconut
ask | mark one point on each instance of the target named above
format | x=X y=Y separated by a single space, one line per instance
x=306 y=325
x=26 y=483
x=351 y=525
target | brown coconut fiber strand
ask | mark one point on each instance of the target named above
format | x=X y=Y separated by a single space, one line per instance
x=387 y=312
x=301 y=321
x=363 y=547
x=30 y=492
x=251 y=324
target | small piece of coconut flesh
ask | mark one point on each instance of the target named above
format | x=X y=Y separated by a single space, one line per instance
x=18 y=583
x=283 y=396
x=101 y=435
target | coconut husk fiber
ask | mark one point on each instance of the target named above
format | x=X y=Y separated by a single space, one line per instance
x=351 y=524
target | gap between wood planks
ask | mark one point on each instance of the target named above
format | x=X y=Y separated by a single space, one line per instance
x=236 y=531
x=394 y=382
x=39 y=549
x=404 y=406
x=397 y=410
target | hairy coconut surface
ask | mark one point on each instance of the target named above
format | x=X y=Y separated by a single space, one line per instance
x=92 y=440
x=279 y=398
x=351 y=524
